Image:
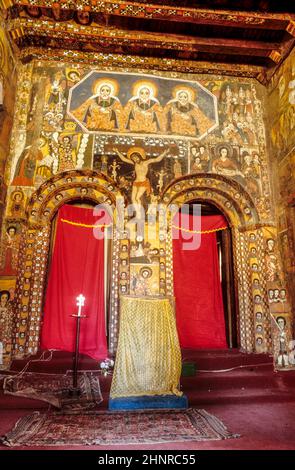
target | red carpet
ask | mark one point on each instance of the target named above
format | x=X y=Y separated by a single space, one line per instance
x=253 y=401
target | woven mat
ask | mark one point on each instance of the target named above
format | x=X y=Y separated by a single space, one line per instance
x=109 y=428
x=53 y=389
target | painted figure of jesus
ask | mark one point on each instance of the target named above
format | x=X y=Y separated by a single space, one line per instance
x=136 y=156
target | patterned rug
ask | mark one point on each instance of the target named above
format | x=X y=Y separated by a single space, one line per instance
x=53 y=388
x=109 y=428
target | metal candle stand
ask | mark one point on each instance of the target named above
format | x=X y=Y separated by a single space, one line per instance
x=75 y=390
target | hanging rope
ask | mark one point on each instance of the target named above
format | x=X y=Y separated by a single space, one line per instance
x=199 y=231
x=78 y=224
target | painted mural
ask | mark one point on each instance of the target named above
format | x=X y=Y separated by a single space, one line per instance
x=282 y=133
x=10 y=239
x=146 y=138
x=7 y=92
x=142 y=104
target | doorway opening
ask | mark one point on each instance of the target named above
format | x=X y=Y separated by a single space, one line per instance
x=107 y=256
x=223 y=295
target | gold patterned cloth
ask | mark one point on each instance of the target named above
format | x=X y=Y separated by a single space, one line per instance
x=148 y=360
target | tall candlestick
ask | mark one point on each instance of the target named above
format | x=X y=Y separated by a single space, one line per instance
x=75 y=391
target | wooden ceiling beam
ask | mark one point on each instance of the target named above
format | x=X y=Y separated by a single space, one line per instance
x=204 y=16
x=143 y=39
x=142 y=63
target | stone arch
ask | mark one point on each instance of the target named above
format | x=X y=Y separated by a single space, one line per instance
x=44 y=203
x=243 y=217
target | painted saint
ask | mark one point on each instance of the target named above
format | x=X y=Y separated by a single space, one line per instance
x=26 y=165
x=136 y=156
x=183 y=115
x=66 y=154
x=17 y=203
x=223 y=164
x=9 y=252
x=103 y=110
x=177 y=168
x=143 y=112
x=6 y=323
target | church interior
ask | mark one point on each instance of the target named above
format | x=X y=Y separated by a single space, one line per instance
x=147 y=214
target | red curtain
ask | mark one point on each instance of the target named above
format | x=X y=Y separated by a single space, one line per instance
x=77 y=268
x=197 y=287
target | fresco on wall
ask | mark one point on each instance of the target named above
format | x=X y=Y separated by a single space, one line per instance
x=142 y=104
x=282 y=109
x=7 y=91
x=282 y=133
x=47 y=156
x=90 y=119
x=6 y=321
x=143 y=132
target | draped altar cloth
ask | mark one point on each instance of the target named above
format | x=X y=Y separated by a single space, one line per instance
x=148 y=360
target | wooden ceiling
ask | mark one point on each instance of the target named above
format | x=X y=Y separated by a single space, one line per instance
x=236 y=37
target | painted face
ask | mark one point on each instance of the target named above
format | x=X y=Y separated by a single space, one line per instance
x=105 y=92
x=223 y=152
x=83 y=17
x=135 y=157
x=74 y=77
x=283 y=294
x=144 y=94
x=183 y=98
x=281 y=323
x=11 y=231
x=4 y=300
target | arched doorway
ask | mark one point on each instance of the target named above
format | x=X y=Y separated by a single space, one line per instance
x=66 y=188
x=88 y=205
x=247 y=232
x=224 y=249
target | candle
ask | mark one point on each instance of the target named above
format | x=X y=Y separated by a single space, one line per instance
x=80 y=303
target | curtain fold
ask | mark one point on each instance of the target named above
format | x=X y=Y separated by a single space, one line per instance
x=77 y=267
x=197 y=288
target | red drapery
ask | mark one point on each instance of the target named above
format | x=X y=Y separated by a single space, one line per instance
x=197 y=288
x=77 y=267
